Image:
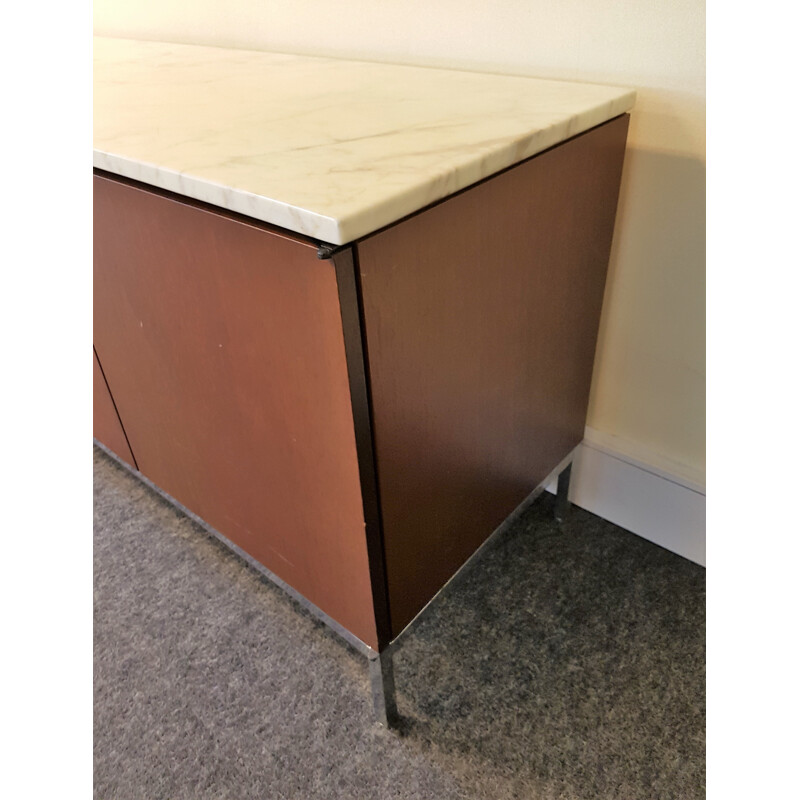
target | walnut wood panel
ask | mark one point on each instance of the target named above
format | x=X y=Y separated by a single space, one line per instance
x=222 y=344
x=481 y=317
x=107 y=427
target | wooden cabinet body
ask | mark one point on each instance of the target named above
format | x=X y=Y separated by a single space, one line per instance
x=361 y=423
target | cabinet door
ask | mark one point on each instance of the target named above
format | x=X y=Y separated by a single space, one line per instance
x=107 y=427
x=222 y=342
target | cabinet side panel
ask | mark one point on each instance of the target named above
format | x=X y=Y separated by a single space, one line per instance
x=481 y=317
x=222 y=343
x=107 y=427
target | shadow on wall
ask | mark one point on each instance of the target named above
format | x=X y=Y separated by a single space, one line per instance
x=649 y=384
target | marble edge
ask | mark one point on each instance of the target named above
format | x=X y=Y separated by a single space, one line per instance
x=364 y=221
x=256 y=206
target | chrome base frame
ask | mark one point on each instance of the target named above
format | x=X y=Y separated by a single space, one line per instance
x=381 y=668
x=381 y=680
x=562 y=494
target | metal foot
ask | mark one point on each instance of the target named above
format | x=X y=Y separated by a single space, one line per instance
x=381 y=677
x=562 y=493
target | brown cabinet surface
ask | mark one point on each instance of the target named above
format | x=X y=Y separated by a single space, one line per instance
x=222 y=344
x=481 y=317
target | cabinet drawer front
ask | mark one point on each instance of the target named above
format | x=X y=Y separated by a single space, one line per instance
x=222 y=344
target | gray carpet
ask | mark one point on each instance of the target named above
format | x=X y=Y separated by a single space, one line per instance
x=567 y=664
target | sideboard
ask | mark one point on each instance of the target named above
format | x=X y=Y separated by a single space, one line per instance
x=345 y=314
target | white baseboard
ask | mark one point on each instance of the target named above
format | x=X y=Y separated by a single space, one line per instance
x=662 y=502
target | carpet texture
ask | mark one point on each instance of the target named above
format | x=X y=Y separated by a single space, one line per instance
x=567 y=663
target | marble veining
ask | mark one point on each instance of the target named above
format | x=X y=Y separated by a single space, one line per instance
x=329 y=148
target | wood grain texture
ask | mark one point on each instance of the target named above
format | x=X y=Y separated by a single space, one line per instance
x=222 y=345
x=107 y=427
x=481 y=317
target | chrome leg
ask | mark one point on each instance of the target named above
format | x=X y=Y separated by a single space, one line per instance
x=562 y=493
x=381 y=677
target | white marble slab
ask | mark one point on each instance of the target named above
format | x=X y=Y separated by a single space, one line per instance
x=328 y=148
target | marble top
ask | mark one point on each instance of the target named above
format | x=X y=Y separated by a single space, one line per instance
x=329 y=148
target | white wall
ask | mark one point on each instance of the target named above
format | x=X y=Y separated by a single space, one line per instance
x=648 y=395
